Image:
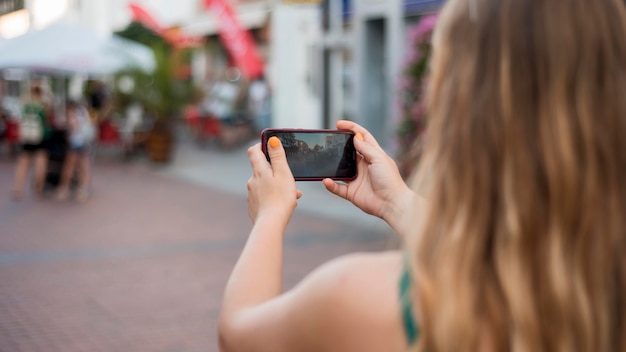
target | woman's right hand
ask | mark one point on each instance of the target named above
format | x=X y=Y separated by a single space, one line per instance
x=271 y=189
x=379 y=189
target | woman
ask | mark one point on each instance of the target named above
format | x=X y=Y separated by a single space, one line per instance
x=34 y=134
x=80 y=132
x=522 y=244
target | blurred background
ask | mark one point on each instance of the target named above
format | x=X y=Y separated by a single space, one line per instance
x=176 y=91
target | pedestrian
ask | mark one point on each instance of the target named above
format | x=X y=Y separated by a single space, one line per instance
x=80 y=134
x=224 y=97
x=260 y=104
x=98 y=99
x=518 y=243
x=34 y=132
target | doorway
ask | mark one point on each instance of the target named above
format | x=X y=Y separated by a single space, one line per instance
x=375 y=90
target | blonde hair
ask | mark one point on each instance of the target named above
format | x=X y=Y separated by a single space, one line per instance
x=523 y=247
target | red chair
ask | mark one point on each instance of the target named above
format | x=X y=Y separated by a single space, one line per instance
x=108 y=133
x=192 y=116
x=212 y=127
x=12 y=137
x=13 y=132
x=108 y=138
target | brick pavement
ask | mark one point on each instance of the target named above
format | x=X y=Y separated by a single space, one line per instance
x=139 y=267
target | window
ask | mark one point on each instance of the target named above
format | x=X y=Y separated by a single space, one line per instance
x=8 y=6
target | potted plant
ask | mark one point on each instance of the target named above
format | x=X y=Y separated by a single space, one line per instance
x=163 y=94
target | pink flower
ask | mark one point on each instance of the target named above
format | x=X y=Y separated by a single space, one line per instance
x=412 y=85
x=406 y=82
x=423 y=29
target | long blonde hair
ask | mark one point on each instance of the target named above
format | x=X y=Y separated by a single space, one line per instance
x=523 y=247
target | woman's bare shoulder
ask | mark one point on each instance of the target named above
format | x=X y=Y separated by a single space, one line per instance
x=348 y=304
x=359 y=268
x=360 y=297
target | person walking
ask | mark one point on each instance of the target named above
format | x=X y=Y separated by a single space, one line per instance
x=260 y=103
x=80 y=134
x=514 y=234
x=34 y=131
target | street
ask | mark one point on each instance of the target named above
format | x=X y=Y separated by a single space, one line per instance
x=141 y=266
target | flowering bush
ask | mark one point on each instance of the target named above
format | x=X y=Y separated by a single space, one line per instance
x=412 y=93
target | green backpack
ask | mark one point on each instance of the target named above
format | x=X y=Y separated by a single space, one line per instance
x=32 y=125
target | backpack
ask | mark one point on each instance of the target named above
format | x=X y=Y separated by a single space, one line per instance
x=31 y=126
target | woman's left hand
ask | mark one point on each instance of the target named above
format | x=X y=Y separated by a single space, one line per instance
x=271 y=189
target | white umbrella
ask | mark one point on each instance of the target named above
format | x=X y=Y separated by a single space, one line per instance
x=65 y=48
x=118 y=53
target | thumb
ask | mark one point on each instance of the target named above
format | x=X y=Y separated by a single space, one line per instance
x=277 y=155
x=371 y=153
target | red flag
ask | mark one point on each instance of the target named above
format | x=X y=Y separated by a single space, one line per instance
x=142 y=16
x=236 y=39
x=175 y=38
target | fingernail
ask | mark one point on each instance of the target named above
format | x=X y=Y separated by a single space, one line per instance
x=274 y=142
x=359 y=136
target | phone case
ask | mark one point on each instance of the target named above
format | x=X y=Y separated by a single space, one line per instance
x=350 y=170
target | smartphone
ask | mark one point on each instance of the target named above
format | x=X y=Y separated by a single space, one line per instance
x=314 y=155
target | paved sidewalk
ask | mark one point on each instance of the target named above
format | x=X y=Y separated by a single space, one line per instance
x=141 y=266
x=229 y=171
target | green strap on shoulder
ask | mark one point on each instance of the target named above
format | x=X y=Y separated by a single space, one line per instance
x=410 y=325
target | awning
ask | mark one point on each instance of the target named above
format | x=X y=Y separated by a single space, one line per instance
x=71 y=49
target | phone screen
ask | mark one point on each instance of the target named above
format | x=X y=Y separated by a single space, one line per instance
x=316 y=154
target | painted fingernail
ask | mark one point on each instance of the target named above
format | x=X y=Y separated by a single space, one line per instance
x=359 y=136
x=274 y=142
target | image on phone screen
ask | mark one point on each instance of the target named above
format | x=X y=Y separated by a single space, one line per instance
x=315 y=154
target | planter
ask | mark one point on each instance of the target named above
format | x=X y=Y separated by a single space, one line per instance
x=160 y=144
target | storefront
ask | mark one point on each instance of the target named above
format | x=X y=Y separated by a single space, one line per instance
x=372 y=36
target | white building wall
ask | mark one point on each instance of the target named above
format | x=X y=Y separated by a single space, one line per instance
x=295 y=30
x=101 y=16
x=171 y=12
x=106 y=16
x=96 y=15
x=367 y=78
